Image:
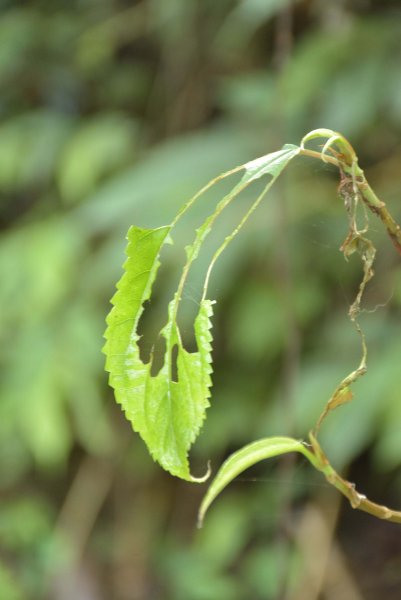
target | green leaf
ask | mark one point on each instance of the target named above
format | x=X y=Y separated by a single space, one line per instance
x=243 y=459
x=167 y=414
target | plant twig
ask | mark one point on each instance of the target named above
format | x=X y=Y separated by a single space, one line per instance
x=353 y=187
x=319 y=460
x=347 y=161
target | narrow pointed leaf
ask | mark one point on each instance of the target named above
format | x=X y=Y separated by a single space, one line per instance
x=243 y=459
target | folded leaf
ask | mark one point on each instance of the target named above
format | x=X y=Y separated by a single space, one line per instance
x=243 y=459
x=274 y=446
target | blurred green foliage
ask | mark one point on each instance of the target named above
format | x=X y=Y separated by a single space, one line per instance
x=113 y=113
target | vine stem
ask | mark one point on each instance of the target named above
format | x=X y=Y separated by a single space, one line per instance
x=377 y=206
x=353 y=185
x=319 y=460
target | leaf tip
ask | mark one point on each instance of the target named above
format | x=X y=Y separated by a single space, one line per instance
x=204 y=477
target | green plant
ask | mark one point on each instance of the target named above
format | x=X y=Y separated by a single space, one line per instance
x=168 y=408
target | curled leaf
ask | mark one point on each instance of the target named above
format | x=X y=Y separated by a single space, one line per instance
x=333 y=137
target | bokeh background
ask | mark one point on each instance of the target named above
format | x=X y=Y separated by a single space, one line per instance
x=114 y=112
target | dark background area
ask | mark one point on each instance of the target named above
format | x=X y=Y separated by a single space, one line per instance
x=114 y=113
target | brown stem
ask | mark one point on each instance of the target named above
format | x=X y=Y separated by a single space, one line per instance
x=359 y=501
x=353 y=177
x=380 y=209
x=368 y=196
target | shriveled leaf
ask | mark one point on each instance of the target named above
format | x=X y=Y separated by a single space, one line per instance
x=343 y=396
x=243 y=459
x=167 y=414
